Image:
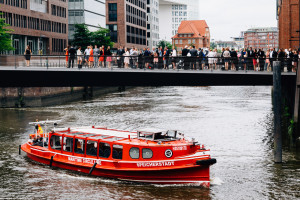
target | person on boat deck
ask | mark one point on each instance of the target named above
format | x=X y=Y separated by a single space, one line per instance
x=38 y=141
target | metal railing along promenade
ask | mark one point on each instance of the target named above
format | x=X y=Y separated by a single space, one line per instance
x=150 y=62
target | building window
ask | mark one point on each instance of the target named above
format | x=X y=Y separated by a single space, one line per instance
x=112 y=12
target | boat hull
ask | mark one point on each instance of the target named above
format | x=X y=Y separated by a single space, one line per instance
x=192 y=175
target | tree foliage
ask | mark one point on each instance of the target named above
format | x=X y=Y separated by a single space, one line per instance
x=5 y=39
x=163 y=44
x=101 y=37
x=83 y=37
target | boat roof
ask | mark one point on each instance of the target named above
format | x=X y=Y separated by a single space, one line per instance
x=95 y=132
x=152 y=130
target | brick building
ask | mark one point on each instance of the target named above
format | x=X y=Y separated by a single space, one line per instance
x=195 y=32
x=288 y=23
x=43 y=25
x=261 y=38
x=127 y=21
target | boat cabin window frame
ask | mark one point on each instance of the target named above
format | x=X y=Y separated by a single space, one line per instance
x=81 y=142
x=134 y=153
x=54 y=144
x=93 y=148
x=65 y=143
x=117 y=152
x=105 y=149
x=144 y=149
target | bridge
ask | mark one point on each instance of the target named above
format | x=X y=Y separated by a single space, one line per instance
x=61 y=77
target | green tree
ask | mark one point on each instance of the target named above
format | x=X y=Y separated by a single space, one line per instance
x=5 y=39
x=164 y=43
x=101 y=37
x=213 y=45
x=82 y=36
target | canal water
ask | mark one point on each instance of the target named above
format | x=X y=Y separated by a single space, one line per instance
x=236 y=123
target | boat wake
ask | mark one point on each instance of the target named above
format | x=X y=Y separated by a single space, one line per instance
x=216 y=181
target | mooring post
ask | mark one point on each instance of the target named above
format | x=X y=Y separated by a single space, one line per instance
x=277 y=111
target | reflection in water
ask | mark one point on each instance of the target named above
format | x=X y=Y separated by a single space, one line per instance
x=234 y=122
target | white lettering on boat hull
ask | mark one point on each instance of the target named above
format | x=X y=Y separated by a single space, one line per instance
x=155 y=164
x=84 y=160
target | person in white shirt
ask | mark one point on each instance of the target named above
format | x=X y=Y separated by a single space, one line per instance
x=174 y=55
x=87 y=55
x=79 y=56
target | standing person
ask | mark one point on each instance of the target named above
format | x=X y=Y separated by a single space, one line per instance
x=267 y=63
x=135 y=54
x=226 y=56
x=290 y=56
x=184 y=54
x=72 y=54
x=261 y=56
x=244 y=58
x=108 y=58
x=104 y=55
x=126 y=58
x=87 y=55
x=281 y=57
x=201 y=59
x=120 y=58
x=215 y=59
x=91 y=58
x=273 y=57
x=79 y=57
x=155 y=60
x=27 y=54
x=234 y=59
x=67 y=55
x=254 y=60
x=147 y=54
x=96 y=53
x=210 y=56
x=101 y=58
x=130 y=53
x=194 y=55
x=174 y=55
x=166 y=58
x=295 y=60
x=250 y=56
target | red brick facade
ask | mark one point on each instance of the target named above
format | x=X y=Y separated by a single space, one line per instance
x=288 y=23
x=49 y=28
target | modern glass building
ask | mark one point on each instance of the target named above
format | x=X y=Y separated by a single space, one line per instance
x=152 y=23
x=172 y=12
x=89 y=12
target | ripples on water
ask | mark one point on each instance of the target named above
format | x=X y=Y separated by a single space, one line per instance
x=234 y=122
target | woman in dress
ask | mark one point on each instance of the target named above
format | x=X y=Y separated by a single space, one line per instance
x=67 y=55
x=226 y=56
x=27 y=54
x=126 y=59
x=254 y=60
x=108 y=58
x=101 y=59
x=91 y=58
x=210 y=56
x=267 y=63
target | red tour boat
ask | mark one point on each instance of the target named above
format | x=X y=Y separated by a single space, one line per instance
x=148 y=156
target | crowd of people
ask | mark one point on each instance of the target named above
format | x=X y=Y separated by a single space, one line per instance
x=190 y=58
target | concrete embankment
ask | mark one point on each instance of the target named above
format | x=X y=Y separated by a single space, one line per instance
x=47 y=96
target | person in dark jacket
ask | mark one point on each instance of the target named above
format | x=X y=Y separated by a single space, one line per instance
x=234 y=59
x=194 y=55
x=261 y=58
x=184 y=54
x=72 y=55
x=120 y=58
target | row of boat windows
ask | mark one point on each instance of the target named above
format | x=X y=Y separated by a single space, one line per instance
x=104 y=149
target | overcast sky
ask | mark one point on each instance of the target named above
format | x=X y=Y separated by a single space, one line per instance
x=227 y=18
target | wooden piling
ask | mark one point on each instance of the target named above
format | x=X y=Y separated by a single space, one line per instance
x=277 y=111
